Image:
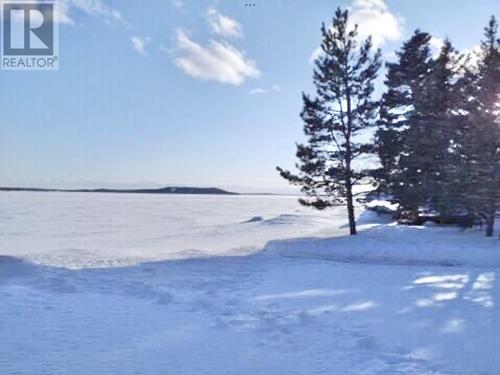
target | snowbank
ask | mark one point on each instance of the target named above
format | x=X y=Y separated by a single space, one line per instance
x=405 y=245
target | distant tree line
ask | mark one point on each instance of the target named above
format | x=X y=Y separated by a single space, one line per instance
x=436 y=126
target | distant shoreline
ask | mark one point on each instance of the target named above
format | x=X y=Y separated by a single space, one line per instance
x=163 y=190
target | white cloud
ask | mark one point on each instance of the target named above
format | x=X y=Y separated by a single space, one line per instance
x=436 y=45
x=177 y=4
x=223 y=25
x=258 y=91
x=315 y=54
x=472 y=56
x=373 y=19
x=262 y=90
x=218 y=61
x=139 y=44
x=61 y=11
x=97 y=8
x=390 y=56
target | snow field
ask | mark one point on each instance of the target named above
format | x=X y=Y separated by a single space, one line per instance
x=395 y=300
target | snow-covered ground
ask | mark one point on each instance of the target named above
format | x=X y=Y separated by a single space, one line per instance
x=140 y=284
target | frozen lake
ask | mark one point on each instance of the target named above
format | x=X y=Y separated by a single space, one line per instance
x=78 y=230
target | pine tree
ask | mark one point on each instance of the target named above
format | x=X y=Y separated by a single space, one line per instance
x=482 y=141
x=333 y=120
x=401 y=109
x=443 y=117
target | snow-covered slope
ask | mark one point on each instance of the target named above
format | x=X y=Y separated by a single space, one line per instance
x=395 y=300
x=404 y=245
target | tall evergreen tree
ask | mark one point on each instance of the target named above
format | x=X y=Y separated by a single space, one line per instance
x=401 y=109
x=482 y=141
x=333 y=120
x=419 y=127
x=443 y=118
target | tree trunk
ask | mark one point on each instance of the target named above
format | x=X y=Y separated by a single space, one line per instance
x=490 y=224
x=350 y=211
x=348 y=155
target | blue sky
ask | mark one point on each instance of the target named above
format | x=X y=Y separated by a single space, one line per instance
x=160 y=92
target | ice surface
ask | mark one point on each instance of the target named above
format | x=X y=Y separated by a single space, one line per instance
x=395 y=300
x=78 y=230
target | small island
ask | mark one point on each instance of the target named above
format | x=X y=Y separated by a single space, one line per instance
x=163 y=190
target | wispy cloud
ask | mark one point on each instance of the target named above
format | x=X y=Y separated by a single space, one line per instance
x=96 y=8
x=374 y=19
x=65 y=9
x=217 y=61
x=179 y=4
x=61 y=11
x=139 y=44
x=315 y=54
x=258 y=91
x=262 y=90
x=223 y=25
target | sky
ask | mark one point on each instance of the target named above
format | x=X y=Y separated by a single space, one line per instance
x=189 y=92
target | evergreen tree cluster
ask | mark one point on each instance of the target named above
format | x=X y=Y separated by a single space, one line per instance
x=437 y=127
x=439 y=131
